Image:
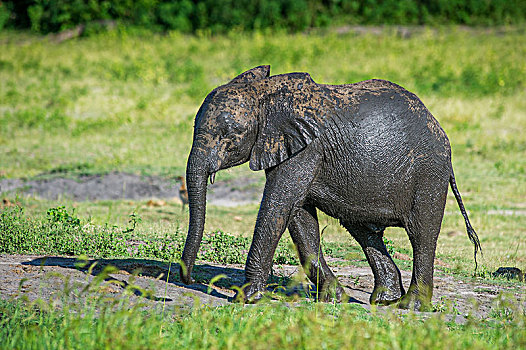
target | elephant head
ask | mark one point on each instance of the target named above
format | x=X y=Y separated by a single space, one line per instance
x=256 y=118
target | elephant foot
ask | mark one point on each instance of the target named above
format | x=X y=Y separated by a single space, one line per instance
x=186 y=278
x=250 y=294
x=331 y=292
x=383 y=295
x=415 y=300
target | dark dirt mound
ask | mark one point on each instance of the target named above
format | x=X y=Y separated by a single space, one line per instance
x=117 y=185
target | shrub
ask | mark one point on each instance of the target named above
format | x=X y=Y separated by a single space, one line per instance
x=46 y=16
x=62 y=232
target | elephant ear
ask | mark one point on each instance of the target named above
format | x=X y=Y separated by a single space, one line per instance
x=252 y=75
x=290 y=118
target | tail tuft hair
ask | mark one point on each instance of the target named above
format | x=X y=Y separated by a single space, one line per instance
x=471 y=232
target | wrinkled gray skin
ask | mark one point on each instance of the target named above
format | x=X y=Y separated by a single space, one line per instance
x=369 y=154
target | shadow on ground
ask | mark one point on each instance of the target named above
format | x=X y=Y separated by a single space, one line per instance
x=158 y=270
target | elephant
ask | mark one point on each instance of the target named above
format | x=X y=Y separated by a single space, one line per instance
x=369 y=154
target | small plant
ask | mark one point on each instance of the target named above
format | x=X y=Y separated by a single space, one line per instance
x=389 y=245
x=133 y=221
x=221 y=247
x=506 y=308
x=482 y=272
x=59 y=232
x=286 y=253
x=60 y=215
x=355 y=280
x=446 y=305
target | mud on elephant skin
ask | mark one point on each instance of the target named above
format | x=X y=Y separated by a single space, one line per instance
x=369 y=154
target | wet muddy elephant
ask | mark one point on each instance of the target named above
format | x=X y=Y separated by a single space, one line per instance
x=369 y=154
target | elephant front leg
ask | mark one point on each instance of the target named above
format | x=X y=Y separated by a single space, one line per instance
x=388 y=286
x=305 y=233
x=270 y=225
x=285 y=191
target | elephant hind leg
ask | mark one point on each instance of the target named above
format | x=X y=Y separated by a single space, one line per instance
x=423 y=239
x=305 y=233
x=423 y=228
x=388 y=286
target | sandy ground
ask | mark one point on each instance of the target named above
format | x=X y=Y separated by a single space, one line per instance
x=48 y=277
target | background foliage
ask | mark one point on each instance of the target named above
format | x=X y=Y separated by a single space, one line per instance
x=46 y=16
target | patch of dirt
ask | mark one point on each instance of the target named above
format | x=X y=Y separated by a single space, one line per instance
x=118 y=185
x=47 y=277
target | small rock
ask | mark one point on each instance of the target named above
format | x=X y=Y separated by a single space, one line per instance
x=509 y=273
x=454 y=233
x=238 y=218
x=401 y=256
x=156 y=203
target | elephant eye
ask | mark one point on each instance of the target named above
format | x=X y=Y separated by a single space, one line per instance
x=225 y=118
x=230 y=128
x=224 y=130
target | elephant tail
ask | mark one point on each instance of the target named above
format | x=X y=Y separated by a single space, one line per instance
x=471 y=232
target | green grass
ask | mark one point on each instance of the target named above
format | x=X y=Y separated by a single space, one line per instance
x=127 y=102
x=88 y=316
x=97 y=320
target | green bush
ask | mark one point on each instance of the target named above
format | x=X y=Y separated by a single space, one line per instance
x=62 y=232
x=46 y=16
x=4 y=15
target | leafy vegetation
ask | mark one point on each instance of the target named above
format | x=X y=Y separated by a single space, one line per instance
x=61 y=232
x=224 y=15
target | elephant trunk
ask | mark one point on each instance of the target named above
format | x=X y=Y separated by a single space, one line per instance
x=196 y=178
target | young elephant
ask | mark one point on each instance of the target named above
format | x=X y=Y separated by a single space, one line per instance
x=369 y=154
